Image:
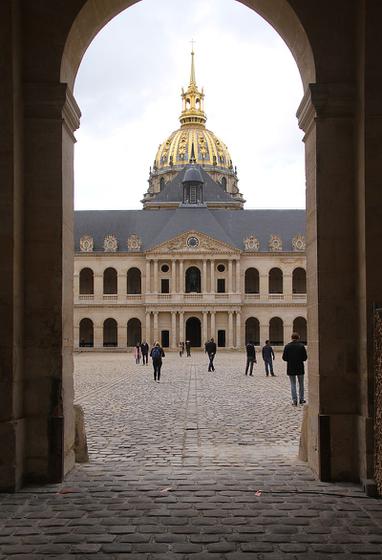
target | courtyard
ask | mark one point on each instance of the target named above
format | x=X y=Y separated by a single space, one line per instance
x=201 y=465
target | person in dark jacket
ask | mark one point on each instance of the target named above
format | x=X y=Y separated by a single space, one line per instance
x=251 y=357
x=211 y=351
x=188 y=348
x=295 y=355
x=157 y=354
x=145 y=353
x=268 y=357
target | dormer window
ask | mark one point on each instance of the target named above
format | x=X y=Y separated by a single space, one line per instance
x=192 y=186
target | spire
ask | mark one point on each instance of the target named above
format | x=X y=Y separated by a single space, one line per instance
x=193 y=101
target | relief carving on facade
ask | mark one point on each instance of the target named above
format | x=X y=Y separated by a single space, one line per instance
x=275 y=243
x=134 y=243
x=86 y=244
x=298 y=243
x=110 y=244
x=193 y=241
x=251 y=243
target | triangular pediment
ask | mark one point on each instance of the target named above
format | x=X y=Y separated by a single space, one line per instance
x=193 y=242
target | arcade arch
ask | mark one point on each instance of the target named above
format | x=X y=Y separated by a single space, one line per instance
x=134 y=332
x=110 y=281
x=110 y=333
x=194 y=331
x=86 y=281
x=86 y=333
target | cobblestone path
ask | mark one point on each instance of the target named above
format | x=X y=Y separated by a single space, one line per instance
x=200 y=466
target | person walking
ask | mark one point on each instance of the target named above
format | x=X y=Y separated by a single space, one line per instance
x=268 y=357
x=295 y=355
x=210 y=347
x=181 y=349
x=251 y=357
x=137 y=353
x=188 y=348
x=145 y=353
x=157 y=354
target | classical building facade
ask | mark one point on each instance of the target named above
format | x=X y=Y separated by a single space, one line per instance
x=193 y=264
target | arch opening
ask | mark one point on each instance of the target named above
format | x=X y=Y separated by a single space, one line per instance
x=194 y=331
x=86 y=334
x=134 y=332
x=252 y=331
x=134 y=281
x=110 y=333
x=86 y=281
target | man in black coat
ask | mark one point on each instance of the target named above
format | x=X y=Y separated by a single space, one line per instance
x=211 y=351
x=295 y=355
x=251 y=357
x=145 y=352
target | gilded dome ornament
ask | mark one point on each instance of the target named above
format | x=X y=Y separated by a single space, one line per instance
x=275 y=243
x=110 y=244
x=86 y=244
x=298 y=243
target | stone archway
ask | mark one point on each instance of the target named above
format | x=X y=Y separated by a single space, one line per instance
x=194 y=331
x=40 y=116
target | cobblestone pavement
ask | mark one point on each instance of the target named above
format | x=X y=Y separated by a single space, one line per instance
x=200 y=466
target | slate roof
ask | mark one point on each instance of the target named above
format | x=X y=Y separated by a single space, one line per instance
x=156 y=226
x=212 y=191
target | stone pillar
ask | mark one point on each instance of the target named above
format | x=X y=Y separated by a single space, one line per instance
x=230 y=277
x=238 y=329
x=156 y=287
x=264 y=333
x=212 y=276
x=148 y=328
x=122 y=335
x=288 y=329
x=121 y=287
x=204 y=327
x=98 y=335
x=173 y=330
x=326 y=114
x=173 y=277
x=148 y=275
x=181 y=326
x=76 y=285
x=213 y=326
x=264 y=285
x=287 y=285
x=181 y=277
x=230 y=329
x=98 y=286
x=238 y=284
x=156 y=333
x=204 y=277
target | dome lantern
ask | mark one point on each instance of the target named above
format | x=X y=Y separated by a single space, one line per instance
x=193 y=102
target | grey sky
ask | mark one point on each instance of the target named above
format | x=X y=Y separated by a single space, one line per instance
x=128 y=88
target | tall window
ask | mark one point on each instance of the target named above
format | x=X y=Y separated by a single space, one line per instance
x=252 y=330
x=299 y=326
x=110 y=281
x=299 y=281
x=193 y=280
x=86 y=281
x=252 y=284
x=86 y=335
x=275 y=281
x=110 y=333
x=134 y=332
x=276 y=331
x=134 y=281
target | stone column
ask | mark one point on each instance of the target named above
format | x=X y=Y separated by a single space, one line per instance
x=98 y=335
x=173 y=330
x=288 y=329
x=181 y=326
x=156 y=333
x=213 y=326
x=204 y=277
x=264 y=333
x=148 y=328
x=230 y=329
x=173 y=276
x=181 y=277
x=121 y=286
x=287 y=285
x=156 y=287
x=238 y=285
x=326 y=114
x=204 y=327
x=148 y=274
x=230 y=277
x=264 y=285
x=238 y=329
x=122 y=335
x=76 y=285
x=212 y=276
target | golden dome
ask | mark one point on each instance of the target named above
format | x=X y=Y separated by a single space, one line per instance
x=192 y=142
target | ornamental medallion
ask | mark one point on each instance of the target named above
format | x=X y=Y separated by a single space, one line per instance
x=134 y=243
x=298 y=243
x=251 y=243
x=110 y=244
x=275 y=243
x=86 y=244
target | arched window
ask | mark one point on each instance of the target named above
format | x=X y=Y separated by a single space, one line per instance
x=134 y=281
x=252 y=330
x=134 y=332
x=275 y=281
x=86 y=335
x=86 y=281
x=110 y=281
x=161 y=184
x=299 y=326
x=276 y=331
x=252 y=281
x=224 y=183
x=193 y=280
x=110 y=333
x=299 y=281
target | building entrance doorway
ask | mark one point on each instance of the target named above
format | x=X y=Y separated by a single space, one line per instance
x=193 y=331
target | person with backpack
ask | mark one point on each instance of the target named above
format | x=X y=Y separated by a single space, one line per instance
x=251 y=357
x=156 y=355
